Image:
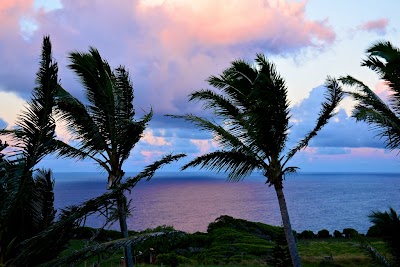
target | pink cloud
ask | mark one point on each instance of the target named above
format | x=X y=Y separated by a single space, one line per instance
x=204 y=146
x=170 y=47
x=149 y=138
x=151 y=155
x=182 y=25
x=382 y=90
x=378 y=26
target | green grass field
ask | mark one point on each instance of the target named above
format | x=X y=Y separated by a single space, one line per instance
x=346 y=253
x=235 y=242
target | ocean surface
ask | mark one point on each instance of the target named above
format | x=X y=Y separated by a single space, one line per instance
x=190 y=201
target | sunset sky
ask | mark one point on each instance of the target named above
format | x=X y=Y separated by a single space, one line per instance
x=172 y=46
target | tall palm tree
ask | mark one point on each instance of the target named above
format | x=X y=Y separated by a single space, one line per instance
x=252 y=127
x=26 y=199
x=384 y=59
x=105 y=127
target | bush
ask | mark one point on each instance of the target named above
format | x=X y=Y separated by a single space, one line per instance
x=374 y=231
x=306 y=234
x=323 y=234
x=171 y=259
x=280 y=253
x=337 y=234
x=349 y=232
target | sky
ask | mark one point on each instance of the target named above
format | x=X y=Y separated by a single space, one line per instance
x=170 y=48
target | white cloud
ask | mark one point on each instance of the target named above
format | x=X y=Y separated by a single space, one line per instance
x=11 y=106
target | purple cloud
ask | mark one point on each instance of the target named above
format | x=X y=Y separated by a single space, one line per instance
x=378 y=26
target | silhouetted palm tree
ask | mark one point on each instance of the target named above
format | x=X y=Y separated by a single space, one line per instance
x=26 y=199
x=105 y=127
x=252 y=127
x=388 y=225
x=384 y=59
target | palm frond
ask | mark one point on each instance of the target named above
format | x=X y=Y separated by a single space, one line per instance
x=36 y=126
x=124 y=94
x=371 y=109
x=88 y=252
x=42 y=204
x=62 y=230
x=236 y=163
x=133 y=129
x=99 y=83
x=388 y=224
x=230 y=137
x=80 y=123
x=384 y=59
x=333 y=97
x=149 y=171
x=220 y=105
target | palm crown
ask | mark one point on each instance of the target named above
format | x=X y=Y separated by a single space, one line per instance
x=105 y=127
x=384 y=59
x=253 y=120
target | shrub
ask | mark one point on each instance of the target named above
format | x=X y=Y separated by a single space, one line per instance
x=323 y=234
x=337 y=234
x=280 y=253
x=260 y=230
x=306 y=234
x=374 y=231
x=349 y=232
x=169 y=259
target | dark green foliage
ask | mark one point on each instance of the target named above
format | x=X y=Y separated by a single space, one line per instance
x=280 y=253
x=27 y=193
x=306 y=234
x=350 y=232
x=73 y=216
x=388 y=224
x=171 y=259
x=261 y=230
x=374 y=231
x=384 y=59
x=323 y=233
x=337 y=234
x=234 y=240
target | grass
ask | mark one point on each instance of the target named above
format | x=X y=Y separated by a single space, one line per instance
x=234 y=242
x=344 y=252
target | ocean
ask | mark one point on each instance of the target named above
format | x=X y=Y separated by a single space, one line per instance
x=190 y=201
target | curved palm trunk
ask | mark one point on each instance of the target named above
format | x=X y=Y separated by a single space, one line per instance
x=121 y=205
x=294 y=254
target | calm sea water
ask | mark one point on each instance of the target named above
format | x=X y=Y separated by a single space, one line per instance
x=189 y=202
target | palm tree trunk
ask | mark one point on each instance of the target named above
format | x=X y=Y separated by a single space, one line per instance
x=294 y=254
x=121 y=205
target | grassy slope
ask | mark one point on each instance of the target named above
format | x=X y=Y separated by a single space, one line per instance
x=236 y=242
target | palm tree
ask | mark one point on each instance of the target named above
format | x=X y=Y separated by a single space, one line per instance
x=384 y=115
x=71 y=217
x=384 y=59
x=105 y=127
x=252 y=127
x=26 y=199
x=388 y=224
